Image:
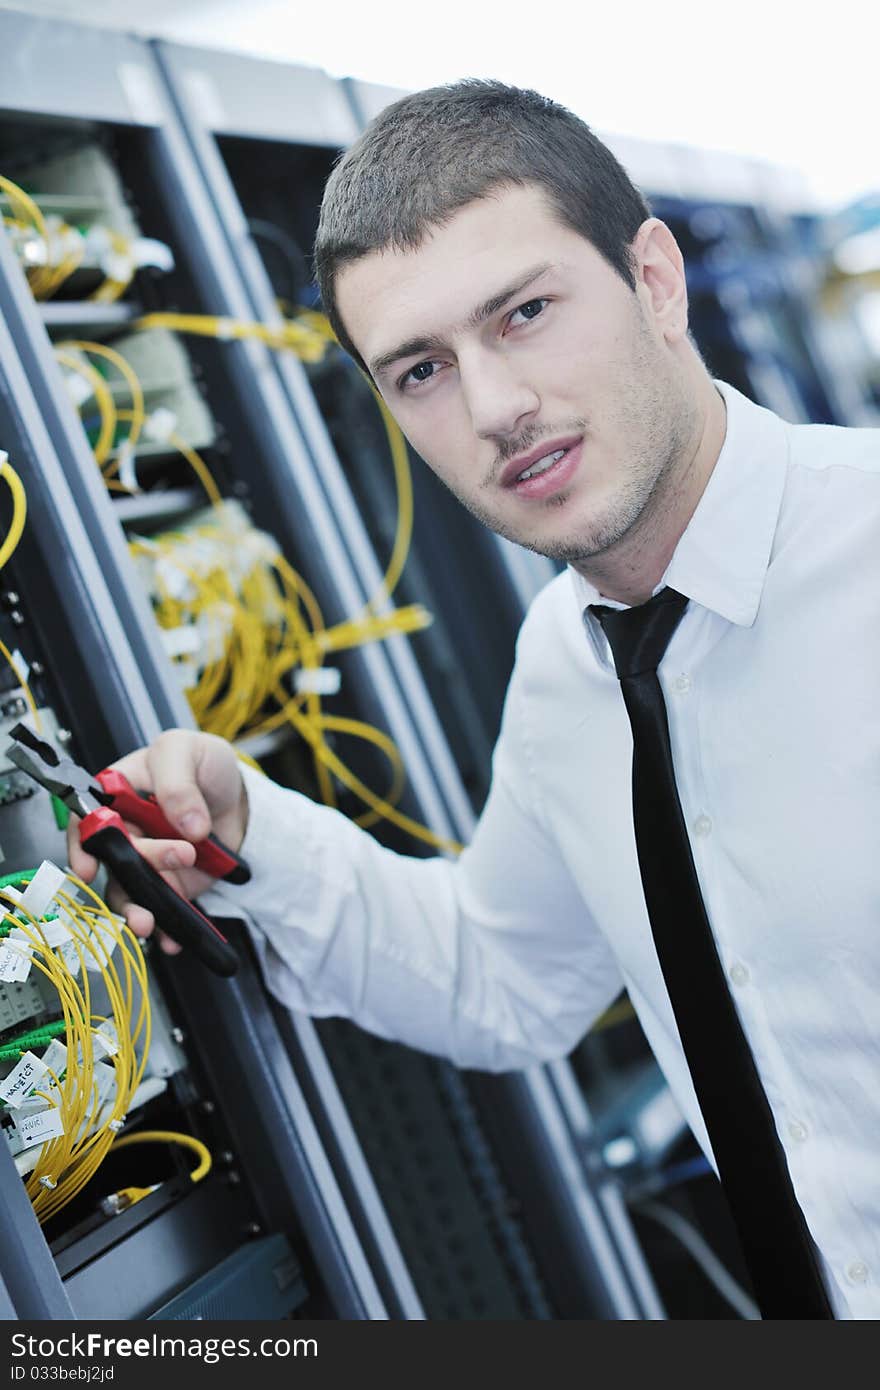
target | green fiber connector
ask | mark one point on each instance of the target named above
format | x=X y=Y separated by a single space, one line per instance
x=37 y=1037
x=17 y=879
x=62 y=815
x=19 y=919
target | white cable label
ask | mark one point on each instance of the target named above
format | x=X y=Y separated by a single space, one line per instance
x=172 y=578
x=55 y=931
x=160 y=425
x=118 y=266
x=320 y=680
x=106 y=1038
x=70 y=957
x=181 y=641
x=103 y=1082
x=38 y=1128
x=147 y=251
x=22 y=1079
x=19 y=938
x=78 y=388
x=55 y=1058
x=127 y=461
x=14 y=967
x=22 y=669
x=42 y=888
x=103 y=942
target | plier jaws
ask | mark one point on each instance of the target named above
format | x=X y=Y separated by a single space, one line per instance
x=105 y=802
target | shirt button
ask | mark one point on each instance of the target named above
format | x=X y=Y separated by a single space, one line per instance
x=797 y=1131
x=739 y=973
x=702 y=825
x=683 y=683
x=857 y=1272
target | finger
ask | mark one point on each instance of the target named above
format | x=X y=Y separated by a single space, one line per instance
x=175 y=762
x=138 y=918
x=164 y=855
x=85 y=866
x=169 y=947
x=169 y=858
x=136 y=767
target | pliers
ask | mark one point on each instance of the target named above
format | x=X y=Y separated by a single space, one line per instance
x=101 y=800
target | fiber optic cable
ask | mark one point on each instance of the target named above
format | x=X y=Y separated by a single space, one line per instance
x=170 y=1136
x=103 y=398
x=19 y=509
x=232 y=689
x=67 y=1162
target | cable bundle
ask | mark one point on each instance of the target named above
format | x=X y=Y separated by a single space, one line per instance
x=241 y=625
x=50 y=249
x=70 y=1085
x=239 y=620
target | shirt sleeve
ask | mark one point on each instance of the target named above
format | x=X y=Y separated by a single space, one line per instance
x=490 y=960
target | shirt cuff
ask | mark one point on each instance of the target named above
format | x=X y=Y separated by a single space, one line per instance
x=278 y=847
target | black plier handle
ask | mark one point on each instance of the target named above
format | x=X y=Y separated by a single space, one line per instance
x=103 y=834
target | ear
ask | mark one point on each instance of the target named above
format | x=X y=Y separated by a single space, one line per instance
x=660 y=278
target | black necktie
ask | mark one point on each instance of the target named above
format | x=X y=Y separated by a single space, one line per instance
x=751 y=1162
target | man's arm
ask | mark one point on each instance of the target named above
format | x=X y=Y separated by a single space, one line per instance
x=491 y=960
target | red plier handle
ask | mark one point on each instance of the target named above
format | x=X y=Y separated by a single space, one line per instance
x=212 y=856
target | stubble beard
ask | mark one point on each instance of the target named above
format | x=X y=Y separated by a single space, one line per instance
x=656 y=421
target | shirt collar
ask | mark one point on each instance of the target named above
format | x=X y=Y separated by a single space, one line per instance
x=721 y=560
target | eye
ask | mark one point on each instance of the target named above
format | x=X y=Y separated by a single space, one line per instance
x=418 y=375
x=529 y=311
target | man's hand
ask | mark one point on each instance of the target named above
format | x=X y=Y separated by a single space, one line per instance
x=195 y=778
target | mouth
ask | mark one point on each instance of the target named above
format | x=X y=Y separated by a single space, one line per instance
x=544 y=471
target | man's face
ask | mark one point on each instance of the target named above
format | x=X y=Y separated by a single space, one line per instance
x=533 y=381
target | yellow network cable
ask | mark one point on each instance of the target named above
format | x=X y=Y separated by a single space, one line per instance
x=314 y=736
x=171 y=1136
x=27 y=217
x=300 y=336
x=308 y=334
x=27 y=210
x=103 y=399
x=19 y=509
x=128 y=1196
x=8 y=546
x=6 y=653
x=403 y=483
x=233 y=690
x=137 y=415
x=273 y=623
x=112 y=289
x=90 y=1120
x=45 y=279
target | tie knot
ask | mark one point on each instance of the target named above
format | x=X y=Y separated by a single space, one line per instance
x=638 y=637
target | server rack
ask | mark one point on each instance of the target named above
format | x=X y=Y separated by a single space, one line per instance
x=271 y=1201
x=242 y=115
x=271 y=1214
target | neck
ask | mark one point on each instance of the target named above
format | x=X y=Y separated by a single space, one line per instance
x=630 y=570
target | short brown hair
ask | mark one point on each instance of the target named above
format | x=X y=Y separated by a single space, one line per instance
x=429 y=154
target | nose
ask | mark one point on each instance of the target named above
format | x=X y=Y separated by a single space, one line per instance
x=498 y=397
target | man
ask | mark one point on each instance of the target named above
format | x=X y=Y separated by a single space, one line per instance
x=491 y=266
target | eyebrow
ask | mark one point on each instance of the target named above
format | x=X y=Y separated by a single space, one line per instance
x=413 y=346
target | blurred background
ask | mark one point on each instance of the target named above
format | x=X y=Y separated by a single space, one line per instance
x=212 y=523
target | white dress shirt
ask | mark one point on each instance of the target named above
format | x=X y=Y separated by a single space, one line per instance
x=505 y=957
